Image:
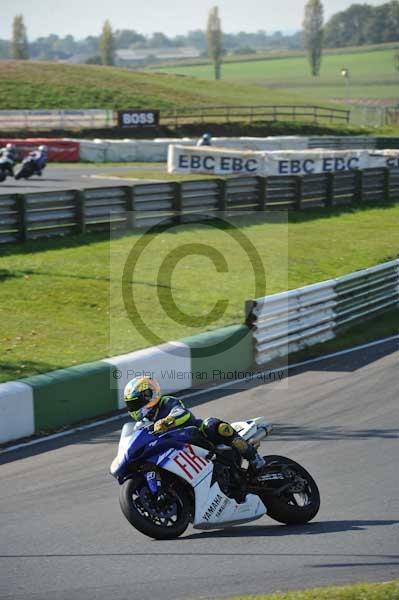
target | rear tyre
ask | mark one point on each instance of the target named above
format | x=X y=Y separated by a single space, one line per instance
x=2 y=176
x=300 y=503
x=140 y=509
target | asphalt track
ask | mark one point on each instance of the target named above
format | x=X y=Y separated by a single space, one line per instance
x=71 y=178
x=64 y=537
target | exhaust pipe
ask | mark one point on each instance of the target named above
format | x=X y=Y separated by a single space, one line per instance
x=261 y=434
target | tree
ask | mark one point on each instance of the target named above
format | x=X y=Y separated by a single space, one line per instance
x=214 y=40
x=313 y=34
x=107 y=45
x=19 y=44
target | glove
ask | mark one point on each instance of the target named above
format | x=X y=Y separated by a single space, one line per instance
x=164 y=424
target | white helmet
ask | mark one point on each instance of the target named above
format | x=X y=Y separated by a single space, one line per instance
x=42 y=148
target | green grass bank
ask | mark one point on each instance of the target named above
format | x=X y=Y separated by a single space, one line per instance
x=62 y=300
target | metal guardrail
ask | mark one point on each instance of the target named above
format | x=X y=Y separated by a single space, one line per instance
x=46 y=214
x=294 y=320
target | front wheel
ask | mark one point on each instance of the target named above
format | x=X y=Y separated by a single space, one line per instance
x=24 y=173
x=162 y=521
x=299 y=503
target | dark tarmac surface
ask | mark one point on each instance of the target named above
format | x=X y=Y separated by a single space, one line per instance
x=63 y=535
x=72 y=178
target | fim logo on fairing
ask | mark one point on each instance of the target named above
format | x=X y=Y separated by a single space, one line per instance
x=213 y=507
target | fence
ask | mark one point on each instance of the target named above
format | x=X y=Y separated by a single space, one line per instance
x=41 y=120
x=265 y=112
x=291 y=321
x=47 y=120
x=45 y=214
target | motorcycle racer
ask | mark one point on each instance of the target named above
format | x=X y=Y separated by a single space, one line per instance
x=39 y=158
x=205 y=140
x=144 y=400
x=9 y=156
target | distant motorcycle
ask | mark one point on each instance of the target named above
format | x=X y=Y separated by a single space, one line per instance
x=6 y=167
x=28 y=168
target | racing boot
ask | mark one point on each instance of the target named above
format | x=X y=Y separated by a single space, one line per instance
x=249 y=452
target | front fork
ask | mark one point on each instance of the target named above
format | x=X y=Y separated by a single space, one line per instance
x=154 y=483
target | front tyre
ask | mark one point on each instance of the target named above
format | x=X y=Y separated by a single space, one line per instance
x=299 y=503
x=165 y=521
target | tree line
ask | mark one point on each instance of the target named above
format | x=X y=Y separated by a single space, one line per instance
x=359 y=24
x=54 y=47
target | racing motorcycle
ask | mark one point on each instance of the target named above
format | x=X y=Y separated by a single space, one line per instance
x=27 y=168
x=169 y=480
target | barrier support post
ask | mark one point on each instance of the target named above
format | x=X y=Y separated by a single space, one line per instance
x=80 y=200
x=177 y=203
x=131 y=213
x=222 y=196
x=358 y=196
x=298 y=192
x=262 y=186
x=387 y=184
x=329 y=190
x=22 y=224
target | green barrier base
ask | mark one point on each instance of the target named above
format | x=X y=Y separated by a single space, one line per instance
x=220 y=356
x=71 y=395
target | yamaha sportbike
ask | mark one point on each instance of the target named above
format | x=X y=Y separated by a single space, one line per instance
x=169 y=480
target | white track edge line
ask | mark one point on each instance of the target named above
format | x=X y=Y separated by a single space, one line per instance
x=200 y=393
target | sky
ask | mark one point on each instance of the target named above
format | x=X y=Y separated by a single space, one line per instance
x=86 y=17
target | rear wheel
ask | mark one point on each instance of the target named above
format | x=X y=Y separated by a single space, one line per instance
x=299 y=503
x=164 y=520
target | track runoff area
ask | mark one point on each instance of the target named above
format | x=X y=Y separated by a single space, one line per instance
x=336 y=415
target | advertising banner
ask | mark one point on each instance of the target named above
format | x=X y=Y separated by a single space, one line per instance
x=314 y=161
x=58 y=150
x=138 y=118
x=223 y=161
x=214 y=161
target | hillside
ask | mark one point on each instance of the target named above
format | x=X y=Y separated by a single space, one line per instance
x=372 y=74
x=41 y=85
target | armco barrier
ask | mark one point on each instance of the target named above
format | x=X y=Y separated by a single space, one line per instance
x=47 y=214
x=294 y=320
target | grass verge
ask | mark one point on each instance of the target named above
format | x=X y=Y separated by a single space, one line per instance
x=372 y=75
x=359 y=591
x=47 y=85
x=61 y=299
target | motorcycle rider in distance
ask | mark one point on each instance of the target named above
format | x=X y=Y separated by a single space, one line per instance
x=144 y=400
x=39 y=158
x=9 y=156
x=205 y=140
